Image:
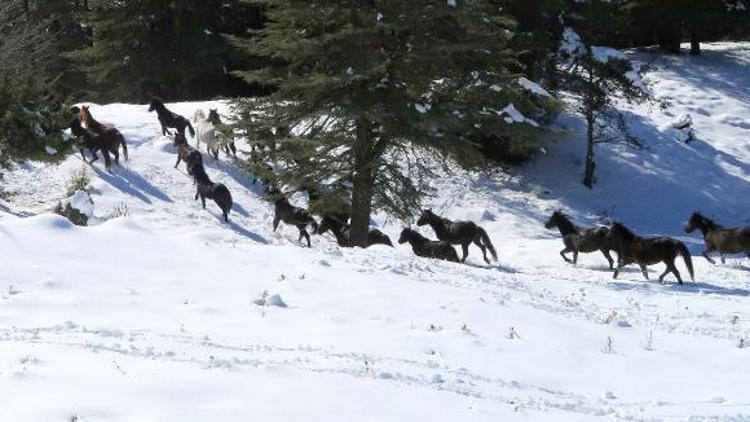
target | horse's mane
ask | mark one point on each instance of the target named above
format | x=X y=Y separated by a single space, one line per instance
x=565 y=220
x=707 y=221
x=623 y=231
x=200 y=175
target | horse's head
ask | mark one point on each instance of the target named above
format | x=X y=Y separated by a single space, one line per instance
x=425 y=217
x=155 y=104
x=406 y=234
x=84 y=114
x=179 y=138
x=325 y=225
x=695 y=221
x=199 y=116
x=213 y=116
x=554 y=220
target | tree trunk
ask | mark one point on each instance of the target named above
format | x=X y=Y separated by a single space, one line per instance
x=588 y=176
x=695 y=35
x=669 y=33
x=363 y=183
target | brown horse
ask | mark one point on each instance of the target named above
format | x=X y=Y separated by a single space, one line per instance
x=719 y=239
x=110 y=136
x=648 y=251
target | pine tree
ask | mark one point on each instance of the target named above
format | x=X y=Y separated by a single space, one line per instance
x=363 y=84
x=143 y=48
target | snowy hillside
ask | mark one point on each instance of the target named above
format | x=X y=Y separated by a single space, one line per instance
x=169 y=314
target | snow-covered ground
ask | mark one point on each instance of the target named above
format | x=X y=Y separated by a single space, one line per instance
x=168 y=314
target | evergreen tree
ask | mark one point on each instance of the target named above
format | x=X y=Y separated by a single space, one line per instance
x=361 y=84
x=143 y=48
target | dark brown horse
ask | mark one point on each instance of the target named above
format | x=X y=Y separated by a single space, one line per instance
x=719 y=239
x=295 y=216
x=169 y=119
x=648 y=251
x=186 y=153
x=578 y=239
x=89 y=140
x=208 y=189
x=458 y=233
x=342 y=232
x=111 y=137
x=427 y=248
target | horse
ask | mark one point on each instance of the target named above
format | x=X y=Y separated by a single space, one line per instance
x=342 y=232
x=89 y=140
x=206 y=129
x=717 y=238
x=631 y=248
x=458 y=233
x=295 y=216
x=186 y=153
x=424 y=247
x=169 y=119
x=110 y=136
x=208 y=189
x=579 y=239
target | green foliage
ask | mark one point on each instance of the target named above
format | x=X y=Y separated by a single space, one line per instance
x=363 y=88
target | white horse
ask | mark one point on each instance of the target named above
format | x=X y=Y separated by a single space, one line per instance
x=206 y=131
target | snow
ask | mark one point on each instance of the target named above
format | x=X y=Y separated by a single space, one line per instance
x=515 y=116
x=152 y=316
x=49 y=150
x=533 y=87
x=82 y=202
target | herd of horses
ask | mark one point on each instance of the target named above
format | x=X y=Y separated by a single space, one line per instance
x=630 y=248
x=645 y=251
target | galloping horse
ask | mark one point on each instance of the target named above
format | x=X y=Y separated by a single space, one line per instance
x=579 y=239
x=208 y=132
x=717 y=238
x=169 y=119
x=648 y=251
x=110 y=136
x=186 y=153
x=295 y=216
x=342 y=232
x=208 y=189
x=89 y=140
x=424 y=247
x=458 y=233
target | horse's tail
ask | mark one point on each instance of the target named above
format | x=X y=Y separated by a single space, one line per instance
x=487 y=242
x=687 y=257
x=124 y=147
x=190 y=128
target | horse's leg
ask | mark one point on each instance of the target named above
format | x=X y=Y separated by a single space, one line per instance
x=197 y=193
x=276 y=220
x=609 y=258
x=465 y=248
x=563 y=252
x=575 y=256
x=478 y=242
x=723 y=258
x=707 y=256
x=304 y=233
x=164 y=130
x=644 y=270
x=203 y=200
x=179 y=158
x=617 y=271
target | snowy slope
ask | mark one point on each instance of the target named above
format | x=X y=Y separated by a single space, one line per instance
x=152 y=316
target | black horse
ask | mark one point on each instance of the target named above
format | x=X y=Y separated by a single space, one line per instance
x=169 y=119
x=427 y=248
x=342 y=232
x=208 y=189
x=719 y=239
x=648 y=251
x=295 y=216
x=187 y=153
x=458 y=233
x=580 y=239
x=90 y=141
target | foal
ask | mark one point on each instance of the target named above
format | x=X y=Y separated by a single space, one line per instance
x=208 y=189
x=110 y=136
x=717 y=238
x=648 y=251
x=295 y=216
x=458 y=233
x=427 y=248
x=342 y=232
x=169 y=119
x=579 y=239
